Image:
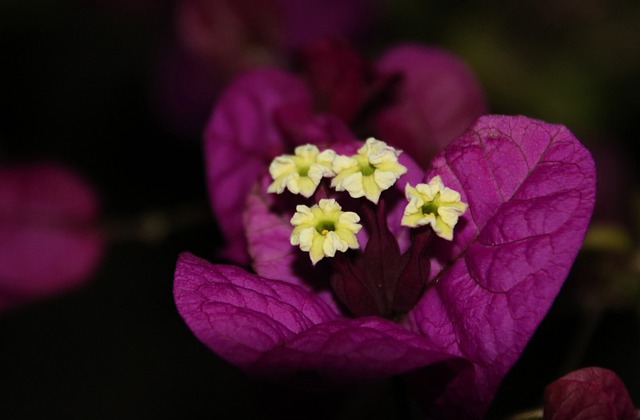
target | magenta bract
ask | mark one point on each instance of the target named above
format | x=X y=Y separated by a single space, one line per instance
x=48 y=231
x=588 y=393
x=241 y=139
x=530 y=187
x=438 y=98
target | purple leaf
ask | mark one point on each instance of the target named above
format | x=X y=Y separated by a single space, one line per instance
x=273 y=328
x=437 y=100
x=241 y=139
x=589 y=393
x=530 y=187
x=48 y=231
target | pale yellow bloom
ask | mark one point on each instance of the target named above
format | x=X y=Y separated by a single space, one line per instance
x=302 y=172
x=433 y=204
x=374 y=169
x=324 y=228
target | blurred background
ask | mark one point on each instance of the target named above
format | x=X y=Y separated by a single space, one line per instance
x=119 y=91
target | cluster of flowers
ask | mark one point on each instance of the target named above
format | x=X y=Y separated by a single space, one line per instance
x=324 y=229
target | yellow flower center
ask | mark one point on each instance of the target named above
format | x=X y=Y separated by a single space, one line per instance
x=431 y=208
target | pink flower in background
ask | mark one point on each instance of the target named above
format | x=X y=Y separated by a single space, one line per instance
x=48 y=231
x=231 y=36
x=588 y=393
x=218 y=39
x=242 y=34
x=437 y=101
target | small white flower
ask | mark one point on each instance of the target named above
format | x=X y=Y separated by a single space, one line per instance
x=324 y=228
x=302 y=172
x=374 y=169
x=433 y=204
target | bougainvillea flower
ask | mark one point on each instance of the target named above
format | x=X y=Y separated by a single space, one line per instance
x=588 y=393
x=372 y=170
x=324 y=229
x=301 y=173
x=48 y=231
x=530 y=189
x=267 y=113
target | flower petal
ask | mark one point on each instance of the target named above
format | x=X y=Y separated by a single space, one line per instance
x=48 y=231
x=272 y=328
x=240 y=315
x=241 y=139
x=589 y=393
x=438 y=99
x=306 y=21
x=530 y=188
x=351 y=350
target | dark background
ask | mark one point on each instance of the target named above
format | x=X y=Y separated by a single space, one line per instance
x=77 y=85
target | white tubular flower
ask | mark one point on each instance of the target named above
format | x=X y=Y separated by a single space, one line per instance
x=433 y=204
x=323 y=229
x=374 y=169
x=301 y=173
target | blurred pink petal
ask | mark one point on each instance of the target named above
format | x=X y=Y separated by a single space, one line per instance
x=589 y=393
x=219 y=39
x=338 y=89
x=232 y=36
x=304 y=21
x=437 y=100
x=50 y=241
